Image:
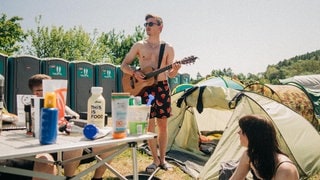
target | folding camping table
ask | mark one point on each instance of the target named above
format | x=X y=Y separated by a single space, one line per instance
x=16 y=144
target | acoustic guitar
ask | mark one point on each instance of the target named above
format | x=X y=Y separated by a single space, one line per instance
x=135 y=86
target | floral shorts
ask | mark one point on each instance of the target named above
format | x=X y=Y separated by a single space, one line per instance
x=161 y=105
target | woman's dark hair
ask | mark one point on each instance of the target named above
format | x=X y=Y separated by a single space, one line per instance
x=262 y=144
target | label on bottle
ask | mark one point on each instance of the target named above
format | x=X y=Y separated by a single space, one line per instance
x=96 y=110
x=119 y=103
x=48 y=126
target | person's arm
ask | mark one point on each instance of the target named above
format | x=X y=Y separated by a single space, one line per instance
x=287 y=171
x=242 y=169
x=175 y=66
x=69 y=111
x=125 y=65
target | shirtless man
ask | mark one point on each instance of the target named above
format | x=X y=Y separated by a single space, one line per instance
x=147 y=51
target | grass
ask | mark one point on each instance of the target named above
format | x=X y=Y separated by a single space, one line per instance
x=123 y=164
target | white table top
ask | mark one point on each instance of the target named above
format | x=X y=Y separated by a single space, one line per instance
x=16 y=144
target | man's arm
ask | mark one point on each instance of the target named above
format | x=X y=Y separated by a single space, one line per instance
x=175 y=67
x=125 y=66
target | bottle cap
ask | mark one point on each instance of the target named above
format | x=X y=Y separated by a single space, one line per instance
x=96 y=90
x=90 y=131
x=131 y=101
x=50 y=100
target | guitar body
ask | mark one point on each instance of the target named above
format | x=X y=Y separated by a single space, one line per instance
x=136 y=86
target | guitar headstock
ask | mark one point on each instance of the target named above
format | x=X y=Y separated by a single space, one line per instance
x=188 y=60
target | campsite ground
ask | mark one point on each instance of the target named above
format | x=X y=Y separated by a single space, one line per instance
x=123 y=164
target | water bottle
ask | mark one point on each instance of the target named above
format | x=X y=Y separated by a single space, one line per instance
x=96 y=107
x=49 y=120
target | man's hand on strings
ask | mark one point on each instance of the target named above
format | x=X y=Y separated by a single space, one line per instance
x=139 y=75
x=176 y=66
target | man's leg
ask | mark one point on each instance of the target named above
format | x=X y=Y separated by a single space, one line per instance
x=153 y=142
x=100 y=170
x=70 y=168
x=162 y=138
x=44 y=167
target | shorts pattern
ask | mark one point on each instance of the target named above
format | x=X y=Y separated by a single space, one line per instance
x=161 y=105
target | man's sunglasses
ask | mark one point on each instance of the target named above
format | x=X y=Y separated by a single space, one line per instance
x=150 y=24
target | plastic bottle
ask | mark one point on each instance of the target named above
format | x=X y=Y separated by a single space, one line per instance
x=96 y=107
x=49 y=120
x=90 y=131
x=119 y=103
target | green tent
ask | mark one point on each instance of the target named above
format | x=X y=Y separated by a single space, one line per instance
x=221 y=82
x=202 y=109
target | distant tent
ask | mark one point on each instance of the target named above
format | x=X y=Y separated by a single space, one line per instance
x=181 y=87
x=291 y=95
x=221 y=82
x=307 y=81
x=202 y=109
x=310 y=84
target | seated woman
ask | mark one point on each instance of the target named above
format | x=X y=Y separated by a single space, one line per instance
x=263 y=155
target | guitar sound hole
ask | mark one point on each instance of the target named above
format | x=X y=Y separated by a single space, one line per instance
x=132 y=82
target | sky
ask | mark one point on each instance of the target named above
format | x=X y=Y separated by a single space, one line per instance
x=244 y=35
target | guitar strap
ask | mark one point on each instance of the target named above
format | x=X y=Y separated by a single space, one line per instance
x=160 y=56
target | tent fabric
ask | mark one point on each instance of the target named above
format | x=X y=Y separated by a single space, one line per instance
x=292 y=96
x=221 y=82
x=181 y=88
x=297 y=136
x=310 y=84
x=307 y=81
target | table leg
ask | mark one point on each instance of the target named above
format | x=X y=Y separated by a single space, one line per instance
x=133 y=146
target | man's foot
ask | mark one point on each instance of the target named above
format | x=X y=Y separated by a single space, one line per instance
x=166 y=166
x=151 y=168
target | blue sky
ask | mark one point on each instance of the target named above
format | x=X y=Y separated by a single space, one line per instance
x=244 y=35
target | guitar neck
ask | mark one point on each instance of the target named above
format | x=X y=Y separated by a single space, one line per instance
x=158 y=71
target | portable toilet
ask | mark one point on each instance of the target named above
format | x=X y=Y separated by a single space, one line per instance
x=81 y=79
x=20 y=69
x=174 y=82
x=57 y=69
x=185 y=78
x=4 y=73
x=105 y=76
x=119 y=79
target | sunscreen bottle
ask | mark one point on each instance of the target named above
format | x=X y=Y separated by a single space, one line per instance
x=119 y=109
x=49 y=120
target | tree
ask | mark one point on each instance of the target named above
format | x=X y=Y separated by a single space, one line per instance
x=76 y=44
x=118 y=45
x=11 y=34
x=73 y=44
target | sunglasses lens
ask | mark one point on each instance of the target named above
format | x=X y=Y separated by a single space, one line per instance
x=150 y=24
